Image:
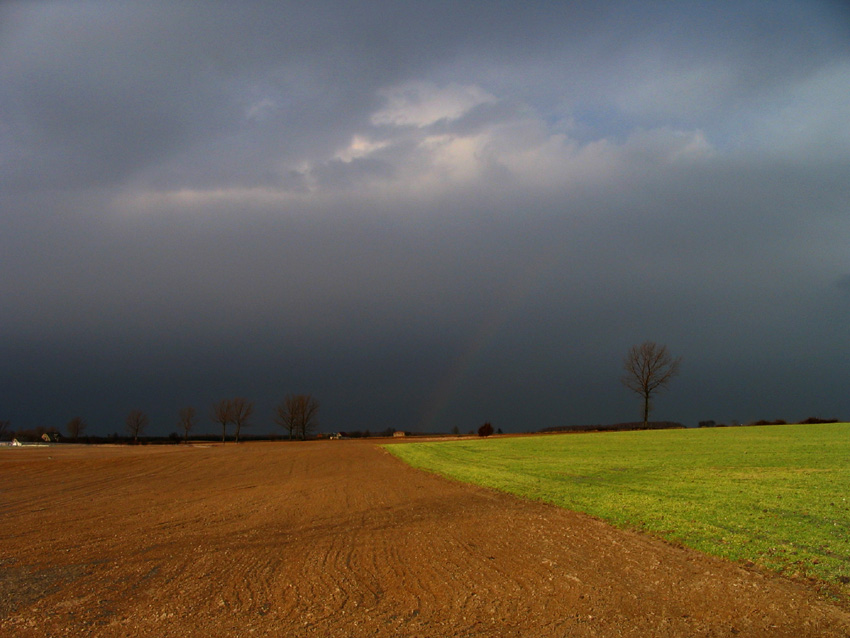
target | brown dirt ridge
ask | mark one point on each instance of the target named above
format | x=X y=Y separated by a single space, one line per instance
x=339 y=538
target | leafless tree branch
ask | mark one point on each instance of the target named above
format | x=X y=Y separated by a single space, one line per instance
x=648 y=369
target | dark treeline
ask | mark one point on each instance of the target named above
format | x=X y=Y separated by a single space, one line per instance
x=365 y=434
x=616 y=427
x=812 y=420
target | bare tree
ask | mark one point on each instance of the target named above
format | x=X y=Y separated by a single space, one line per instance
x=298 y=414
x=286 y=418
x=649 y=367
x=136 y=423
x=221 y=414
x=187 y=421
x=240 y=411
x=309 y=415
x=75 y=427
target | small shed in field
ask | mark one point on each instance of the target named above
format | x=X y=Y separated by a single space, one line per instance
x=399 y=433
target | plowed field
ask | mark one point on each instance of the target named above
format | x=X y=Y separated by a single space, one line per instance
x=338 y=538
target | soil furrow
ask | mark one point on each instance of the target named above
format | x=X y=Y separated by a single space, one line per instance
x=338 y=538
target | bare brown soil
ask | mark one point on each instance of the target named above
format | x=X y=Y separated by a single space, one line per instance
x=338 y=538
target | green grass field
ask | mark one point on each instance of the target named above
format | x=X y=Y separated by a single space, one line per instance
x=778 y=496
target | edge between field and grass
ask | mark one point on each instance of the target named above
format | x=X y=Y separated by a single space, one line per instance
x=773 y=496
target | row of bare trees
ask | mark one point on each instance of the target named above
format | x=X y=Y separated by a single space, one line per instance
x=298 y=415
x=236 y=411
x=648 y=369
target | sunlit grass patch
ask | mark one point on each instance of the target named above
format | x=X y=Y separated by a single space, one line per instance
x=778 y=496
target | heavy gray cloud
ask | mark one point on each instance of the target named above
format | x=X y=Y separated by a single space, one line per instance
x=426 y=214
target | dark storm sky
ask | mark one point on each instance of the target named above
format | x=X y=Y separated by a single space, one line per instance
x=426 y=214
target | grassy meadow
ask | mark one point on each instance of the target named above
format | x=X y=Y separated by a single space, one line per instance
x=777 y=496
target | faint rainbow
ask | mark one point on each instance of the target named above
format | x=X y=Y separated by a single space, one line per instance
x=519 y=290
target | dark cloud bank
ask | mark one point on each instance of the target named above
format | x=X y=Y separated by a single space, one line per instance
x=426 y=214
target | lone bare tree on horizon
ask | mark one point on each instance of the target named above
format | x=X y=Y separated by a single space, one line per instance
x=136 y=423
x=649 y=367
x=297 y=414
